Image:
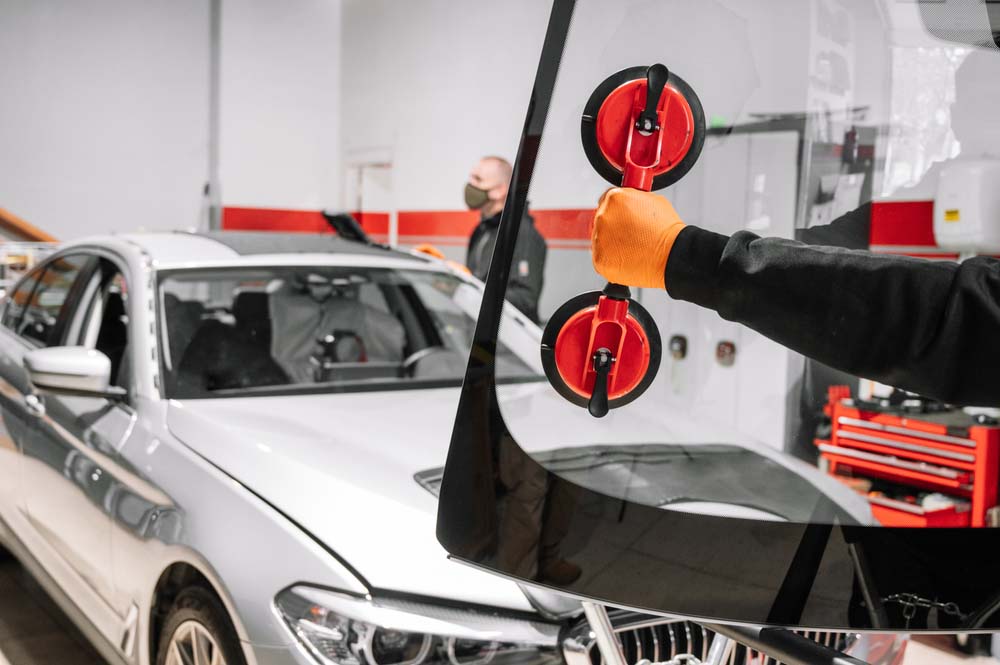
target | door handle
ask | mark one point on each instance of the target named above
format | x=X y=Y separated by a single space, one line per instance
x=34 y=404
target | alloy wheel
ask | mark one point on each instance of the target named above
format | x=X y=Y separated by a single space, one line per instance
x=193 y=644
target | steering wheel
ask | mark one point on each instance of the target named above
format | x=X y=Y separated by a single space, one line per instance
x=411 y=361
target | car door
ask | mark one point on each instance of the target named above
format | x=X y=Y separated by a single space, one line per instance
x=70 y=455
x=15 y=418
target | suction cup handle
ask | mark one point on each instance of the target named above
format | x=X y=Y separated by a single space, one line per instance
x=656 y=80
x=598 y=405
x=616 y=291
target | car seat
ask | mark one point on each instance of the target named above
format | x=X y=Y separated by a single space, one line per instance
x=112 y=339
x=252 y=312
x=181 y=318
x=222 y=356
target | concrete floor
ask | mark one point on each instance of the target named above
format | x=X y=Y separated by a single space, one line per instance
x=33 y=631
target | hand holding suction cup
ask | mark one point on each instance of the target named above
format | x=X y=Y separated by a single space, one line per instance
x=642 y=128
x=632 y=236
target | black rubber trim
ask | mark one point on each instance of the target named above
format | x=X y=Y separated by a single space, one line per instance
x=559 y=319
x=588 y=128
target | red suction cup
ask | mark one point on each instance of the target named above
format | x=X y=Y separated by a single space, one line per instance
x=636 y=140
x=644 y=128
x=601 y=350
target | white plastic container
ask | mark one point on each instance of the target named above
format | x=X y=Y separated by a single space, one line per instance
x=967 y=207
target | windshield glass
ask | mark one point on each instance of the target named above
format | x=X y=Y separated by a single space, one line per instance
x=253 y=331
x=770 y=425
x=836 y=124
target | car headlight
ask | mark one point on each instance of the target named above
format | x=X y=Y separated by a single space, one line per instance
x=338 y=629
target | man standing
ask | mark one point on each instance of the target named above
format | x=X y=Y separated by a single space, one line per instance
x=486 y=191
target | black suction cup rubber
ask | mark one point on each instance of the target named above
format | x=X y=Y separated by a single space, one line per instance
x=588 y=128
x=555 y=325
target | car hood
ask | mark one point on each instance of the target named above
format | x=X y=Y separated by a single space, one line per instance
x=343 y=466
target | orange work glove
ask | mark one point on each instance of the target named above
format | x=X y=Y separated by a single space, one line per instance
x=632 y=236
x=430 y=250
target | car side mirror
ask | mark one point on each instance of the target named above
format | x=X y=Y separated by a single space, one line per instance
x=71 y=370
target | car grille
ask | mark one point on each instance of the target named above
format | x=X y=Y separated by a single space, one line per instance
x=659 y=639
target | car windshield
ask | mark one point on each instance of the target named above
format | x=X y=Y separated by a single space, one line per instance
x=229 y=332
x=721 y=423
x=830 y=152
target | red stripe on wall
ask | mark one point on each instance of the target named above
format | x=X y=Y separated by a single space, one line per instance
x=904 y=224
x=296 y=221
x=556 y=225
x=452 y=223
x=374 y=223
x=451 y=226
x=909 y=223
x=271 y=219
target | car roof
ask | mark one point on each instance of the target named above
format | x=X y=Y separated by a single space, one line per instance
x=185 y=249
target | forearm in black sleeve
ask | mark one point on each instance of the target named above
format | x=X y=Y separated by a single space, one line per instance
x=926 y=326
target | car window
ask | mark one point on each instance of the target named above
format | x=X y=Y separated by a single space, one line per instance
x=50 y=302
x=19 y=299
x=112 y=337
x=100 y=320
x=250 y=331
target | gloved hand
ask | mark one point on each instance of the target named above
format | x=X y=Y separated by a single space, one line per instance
x=430 y=250
x=632 y=236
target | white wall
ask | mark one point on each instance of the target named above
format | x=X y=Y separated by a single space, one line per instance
x=461 y=74
x=460 y=77
x=105 y=120
x=280 y=104
x=103 y=124
x=435 y=84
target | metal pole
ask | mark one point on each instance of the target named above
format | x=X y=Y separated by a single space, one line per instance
x=597 y=616
x=212 y=189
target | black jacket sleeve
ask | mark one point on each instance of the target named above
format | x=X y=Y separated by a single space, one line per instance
x=931 y=327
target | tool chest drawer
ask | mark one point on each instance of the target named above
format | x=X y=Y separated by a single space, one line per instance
x=938 y=469
x=900 y=513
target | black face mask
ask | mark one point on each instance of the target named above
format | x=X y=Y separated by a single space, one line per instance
x=476 y=197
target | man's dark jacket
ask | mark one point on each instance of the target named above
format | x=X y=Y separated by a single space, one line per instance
x=931 y=327
x=527 y=269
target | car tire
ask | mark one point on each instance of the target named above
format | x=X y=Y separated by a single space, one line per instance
x=198 y=621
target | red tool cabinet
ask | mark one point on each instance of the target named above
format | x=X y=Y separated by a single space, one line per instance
x=946 y=452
